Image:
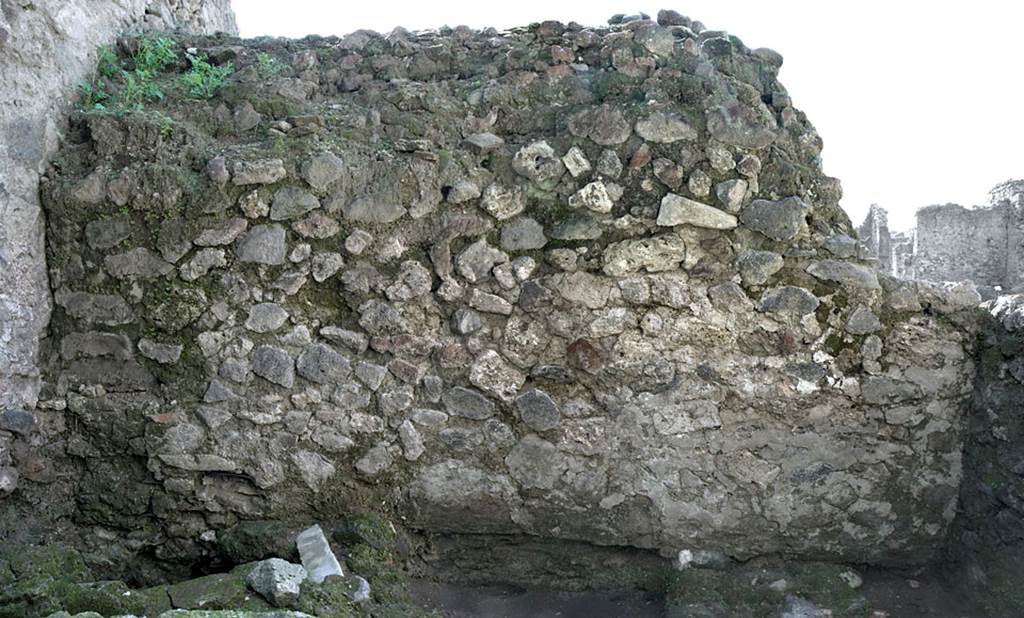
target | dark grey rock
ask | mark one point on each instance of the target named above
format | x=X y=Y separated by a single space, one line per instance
x=373 y=209
x=107 y=233
x=95 y=308
x=465 y=321
x=17 y=421
x=755 y=267
x=604 y=125
x=321 y=364
x=266 y=317
x=225 y=234
x=467 y=403
x=274 y=365
x=292 y=202
x=523 y=234
x=789 y=300
x=538 y=410
x=665 y=128
x=140 y=263
x=781 y=220
x=846 y=273
x=264 y=244
x=323 y=170
x=163 y=353
x=862 y=321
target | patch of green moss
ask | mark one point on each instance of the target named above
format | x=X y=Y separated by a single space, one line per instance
x=329 y=599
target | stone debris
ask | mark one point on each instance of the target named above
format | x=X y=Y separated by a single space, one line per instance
x=316 y=555
x=278 y=581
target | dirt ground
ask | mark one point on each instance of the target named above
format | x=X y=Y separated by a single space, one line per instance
x=892 y=594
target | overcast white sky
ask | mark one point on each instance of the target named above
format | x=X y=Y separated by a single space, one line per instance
x=919 y=102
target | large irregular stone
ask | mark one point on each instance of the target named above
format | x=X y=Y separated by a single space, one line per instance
x=138 y=263
x=503 y=202
x=655 y=254
x=523 y=234
x=258 y=172
x=604 y=125
x=373 y=209
x=678 y=210
x=107 y=233
x=493 y=374
x=96 y=308
x=467 y=403
x=739 y=125
x=782 y=220
x=538 y=162
x=483 y=143
x=538 y=410
x=664 y=128
x=274 y=365
x=264 y=244
x=476 y=261
x=277 y=581
x=789 y=300
x=593 y=196
x=846 y=273
x=266 y=317
x=322 y=170
x=755 y=267
x=292 y=202
x=224 y=234
x=321 y=364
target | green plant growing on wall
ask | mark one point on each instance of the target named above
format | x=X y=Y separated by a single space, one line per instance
x=203 y=80
x=154 y=55
x=108 y=65
x=137 y=88
x=92 y=97
x=268 y=65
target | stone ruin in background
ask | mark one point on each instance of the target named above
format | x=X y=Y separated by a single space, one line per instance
x=984 y=244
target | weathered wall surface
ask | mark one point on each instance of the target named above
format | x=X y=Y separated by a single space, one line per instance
x=876 y=239
x=46 y=48
x=955 y=243
x=987 y=543
x=586 y=284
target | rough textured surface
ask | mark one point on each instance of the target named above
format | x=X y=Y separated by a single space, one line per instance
x=622 y=386
x=987 y=541
x=46 y=48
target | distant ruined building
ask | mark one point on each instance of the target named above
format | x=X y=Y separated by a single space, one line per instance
x=984 y=244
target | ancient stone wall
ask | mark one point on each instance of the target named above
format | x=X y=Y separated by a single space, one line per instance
x=47 y=47
x=955 y=243
x=576 y=283
x=984 y=245
x=875 y=238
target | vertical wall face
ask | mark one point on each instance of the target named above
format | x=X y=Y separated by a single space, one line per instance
x=988 y=539
x=46 y=48
x=955 y=243
x=874 y=234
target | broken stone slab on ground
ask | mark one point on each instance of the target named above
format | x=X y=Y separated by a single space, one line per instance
x=316 y=555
